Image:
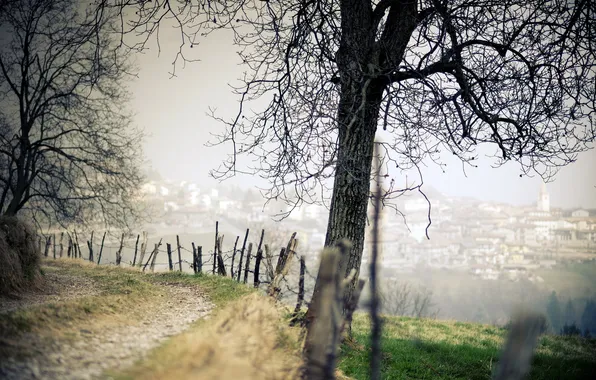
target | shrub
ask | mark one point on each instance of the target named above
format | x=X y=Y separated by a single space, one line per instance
x=570 y=330
x=19 y=257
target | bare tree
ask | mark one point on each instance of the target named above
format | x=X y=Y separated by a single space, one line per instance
x=401 y=298
x=429 y=76
x=68 y=152
x=396 y=298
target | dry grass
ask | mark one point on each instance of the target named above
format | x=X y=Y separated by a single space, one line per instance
x=19 y=257
x=246 y=340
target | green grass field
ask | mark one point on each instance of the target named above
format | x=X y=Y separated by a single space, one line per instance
x=429 y=349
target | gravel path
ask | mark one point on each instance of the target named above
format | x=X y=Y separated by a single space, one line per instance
x=91 y=352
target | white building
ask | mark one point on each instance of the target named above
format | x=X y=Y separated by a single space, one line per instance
x=543 y=203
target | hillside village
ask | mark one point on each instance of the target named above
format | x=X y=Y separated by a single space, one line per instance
x=490 y=240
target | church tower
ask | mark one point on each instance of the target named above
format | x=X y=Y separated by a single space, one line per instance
x=543 y=199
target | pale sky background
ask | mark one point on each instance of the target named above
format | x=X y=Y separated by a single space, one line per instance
x=173 y=112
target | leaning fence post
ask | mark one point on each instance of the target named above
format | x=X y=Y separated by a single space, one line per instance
x=179 y=257
x=257 y=265
x=241 y=255
x=119 y=253
x=101 y=247
x=90 y=246
x=283 y=266
x=152 y=254
x=233 y=257
x=152 y=267
x=143 y=247
x=169 y=250
x=246 y=267
x=134 y=259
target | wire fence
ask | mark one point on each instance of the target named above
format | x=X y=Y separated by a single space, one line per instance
x=283 y=274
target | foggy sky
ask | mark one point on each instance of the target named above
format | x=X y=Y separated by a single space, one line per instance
x=173 y=112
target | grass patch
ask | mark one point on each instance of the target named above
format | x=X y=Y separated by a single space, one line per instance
x=247 y=339
x=219 y=290
x=429 y=349
x=116 y=290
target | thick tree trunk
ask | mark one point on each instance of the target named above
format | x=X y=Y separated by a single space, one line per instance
x=358 y=115
x=360 y=60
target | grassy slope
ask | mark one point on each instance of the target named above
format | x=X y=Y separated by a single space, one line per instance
x=413 y=349
x=428 y=349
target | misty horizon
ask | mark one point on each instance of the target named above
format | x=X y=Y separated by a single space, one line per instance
x=173 y=111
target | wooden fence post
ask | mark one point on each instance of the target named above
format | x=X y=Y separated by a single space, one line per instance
x=54 y=244
x=169 y=250
x=194 y=257
x=179 y=257
x=221 y=267
x=101 y=247
x=69 y=251
x=241 y=255
x=257 y=266
x=61 y=244
x=233 y=257
x=323 y=336
x=215 y=246
x=134 y=259
x=48 y=242
x=247 y=266
x=269 y=264
x=152 y=254
x=300 y=286
x=39 y=243
x=143 y=247
x=283 y=266
x=90 y=246
x=77 y=246
x=199 y=259
x=152 y=267
x=261 y=240
x=119 y=253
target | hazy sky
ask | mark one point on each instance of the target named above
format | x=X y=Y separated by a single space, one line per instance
x=173 y=113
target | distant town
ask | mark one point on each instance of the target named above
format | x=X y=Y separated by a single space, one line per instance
x=490 y=240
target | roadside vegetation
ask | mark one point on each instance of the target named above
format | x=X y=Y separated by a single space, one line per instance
x=430 y=349
x=19 y=257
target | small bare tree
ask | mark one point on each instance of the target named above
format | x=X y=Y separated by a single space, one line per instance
x=401 y=298
x=396 y=298
x=68 y=152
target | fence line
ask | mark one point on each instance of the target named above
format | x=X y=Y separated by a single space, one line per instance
x=283 y=281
